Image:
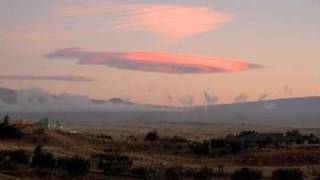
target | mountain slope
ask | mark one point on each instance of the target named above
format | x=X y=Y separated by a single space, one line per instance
x=294 y=112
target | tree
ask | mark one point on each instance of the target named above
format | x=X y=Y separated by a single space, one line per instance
x=9 y=132
x=6 y=120
x=152 y=136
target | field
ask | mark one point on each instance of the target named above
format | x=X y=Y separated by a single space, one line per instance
x=122 y=139
x=190 y=130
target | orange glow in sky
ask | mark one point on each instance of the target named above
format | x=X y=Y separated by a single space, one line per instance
x=206 y=64
x=154 y=61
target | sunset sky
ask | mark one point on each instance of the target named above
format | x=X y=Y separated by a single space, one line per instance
x=162 y=52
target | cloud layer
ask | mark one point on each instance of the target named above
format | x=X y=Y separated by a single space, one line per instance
x=172 y=22
x=47 y=78
x=38 y=101
x=154 y=61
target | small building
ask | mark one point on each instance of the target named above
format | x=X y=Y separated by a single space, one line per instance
x=48 y=124
x=23 y=124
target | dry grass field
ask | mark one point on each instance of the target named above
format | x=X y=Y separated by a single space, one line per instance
x=190 y=130
x=88 y=142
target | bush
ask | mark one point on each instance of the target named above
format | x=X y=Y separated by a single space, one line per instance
x=43 y=159
x=204 y=173
x=19 y=156
x=246 y=174
x=174 y=172
x=152 y=136
x=292 y=174
x=293 y=132
x=114 y=165
x=245 y=133
x=75 y=165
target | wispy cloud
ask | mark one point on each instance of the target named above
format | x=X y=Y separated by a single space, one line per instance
x=154 y=61
x=172 y=22
x=47 y=78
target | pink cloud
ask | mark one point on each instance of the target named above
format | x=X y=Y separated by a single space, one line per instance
x=154 y=61
x=171 y=22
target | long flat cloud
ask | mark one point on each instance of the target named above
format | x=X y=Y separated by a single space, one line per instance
x=154 y=61
x=47 y=78
x=171 y=22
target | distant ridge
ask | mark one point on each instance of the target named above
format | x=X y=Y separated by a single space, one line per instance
x=117 y=101
x=292 y=112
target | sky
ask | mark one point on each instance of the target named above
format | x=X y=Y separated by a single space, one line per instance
x=162 y=52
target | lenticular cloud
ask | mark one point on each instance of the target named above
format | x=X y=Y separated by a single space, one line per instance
x=171 y=22
x=154 y=61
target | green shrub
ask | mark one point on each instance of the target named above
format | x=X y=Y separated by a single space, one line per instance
x=152 y=136
x=246 y=174
x=292 y=174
